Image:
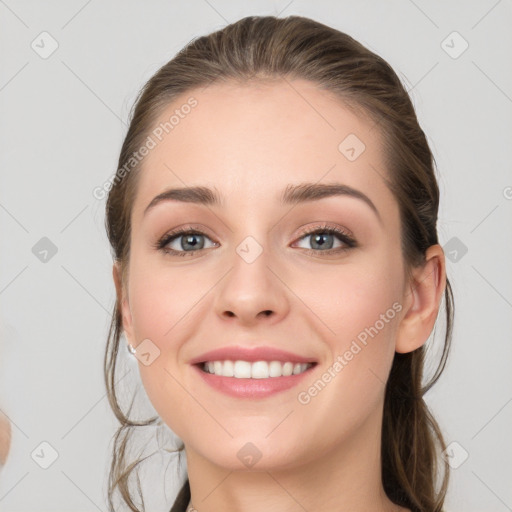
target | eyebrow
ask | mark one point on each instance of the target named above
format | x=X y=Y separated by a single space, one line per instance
x=291 y=195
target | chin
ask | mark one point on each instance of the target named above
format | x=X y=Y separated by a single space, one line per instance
x=258 y=454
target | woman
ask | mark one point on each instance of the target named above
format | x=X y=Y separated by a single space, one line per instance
x=278 y=272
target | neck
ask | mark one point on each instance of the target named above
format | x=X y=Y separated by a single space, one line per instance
x=345 y=478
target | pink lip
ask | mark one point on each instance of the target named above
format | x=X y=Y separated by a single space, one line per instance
x=251 y=388
x=251 y=355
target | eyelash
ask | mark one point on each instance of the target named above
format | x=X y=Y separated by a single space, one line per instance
x=324 y=229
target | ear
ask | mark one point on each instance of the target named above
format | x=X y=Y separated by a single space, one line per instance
x=123 y=303
x=422 y=301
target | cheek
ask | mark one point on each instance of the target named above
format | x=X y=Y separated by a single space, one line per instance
x=359 y=308
x=165 y=305
x=162 y=307
x=351 y=299
x=161 y=300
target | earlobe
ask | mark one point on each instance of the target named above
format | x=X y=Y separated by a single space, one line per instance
x=122 y=301
x=423 y=300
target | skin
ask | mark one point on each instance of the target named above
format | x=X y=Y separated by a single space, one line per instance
x=5 y=438
x=250 y=141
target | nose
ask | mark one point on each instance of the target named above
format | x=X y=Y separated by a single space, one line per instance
x=252 y=292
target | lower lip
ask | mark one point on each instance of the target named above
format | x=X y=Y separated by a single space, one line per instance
x=251 y=388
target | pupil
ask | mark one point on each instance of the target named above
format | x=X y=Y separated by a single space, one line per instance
x=190 y=240
x=320 y=243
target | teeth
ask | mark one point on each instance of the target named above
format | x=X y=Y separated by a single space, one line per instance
x=256 y=370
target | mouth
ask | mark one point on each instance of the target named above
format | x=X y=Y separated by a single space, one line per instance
x=252 y=380
x=252 y=372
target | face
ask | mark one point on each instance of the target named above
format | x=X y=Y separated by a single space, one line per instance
x=321 y=278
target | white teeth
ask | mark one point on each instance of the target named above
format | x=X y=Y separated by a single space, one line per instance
x=242 y=370
x=259 y=370
x=275 y=369
x=228 y=369
x=256 y=370
x=287 y=369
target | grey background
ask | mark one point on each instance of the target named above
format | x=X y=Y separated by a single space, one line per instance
x=63 y=119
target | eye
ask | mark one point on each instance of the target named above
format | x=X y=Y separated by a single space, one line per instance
x=323 y=239
x=182 y=242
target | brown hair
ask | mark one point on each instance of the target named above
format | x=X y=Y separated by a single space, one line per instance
x=297 y=47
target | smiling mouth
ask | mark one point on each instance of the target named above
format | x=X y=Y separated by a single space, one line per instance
x=254 y=370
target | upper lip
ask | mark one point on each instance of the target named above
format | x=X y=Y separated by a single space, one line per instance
x=251 y=354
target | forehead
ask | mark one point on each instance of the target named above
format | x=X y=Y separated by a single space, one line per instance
x=249 y=141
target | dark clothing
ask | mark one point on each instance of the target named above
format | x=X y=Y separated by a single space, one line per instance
x=183 y=499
